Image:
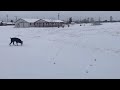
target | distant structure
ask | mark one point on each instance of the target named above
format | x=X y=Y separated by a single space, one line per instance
x=6 y=23
x=7 y=17
x=111 y=18
x=70 y=20
x=97 y=22
x=58 y=16
x=2 y=23
x=99 y=19
x=15 y=18
x=72 y=23
x=88 y=20
x=92 y=20
x=25 y=23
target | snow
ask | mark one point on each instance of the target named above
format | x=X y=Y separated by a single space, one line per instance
x=9 y=23
x=34 y=20
x=75 y=52
x=50 y=20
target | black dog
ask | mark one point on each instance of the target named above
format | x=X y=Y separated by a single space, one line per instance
x=17 y=40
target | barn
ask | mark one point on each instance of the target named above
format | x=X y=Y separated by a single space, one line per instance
x=52 y=23
x=20 y=23
x=24 y=23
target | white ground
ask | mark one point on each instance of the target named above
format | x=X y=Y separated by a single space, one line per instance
x=77 y=52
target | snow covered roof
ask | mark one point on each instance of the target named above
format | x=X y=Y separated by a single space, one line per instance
x=9 y=22
x=59 y=21
x=50 y=20
x=34 y=20
x=4 y=22
x=1 y=21
x=30 y=20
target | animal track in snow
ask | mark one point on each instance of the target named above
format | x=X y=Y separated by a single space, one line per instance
x=90 y=65
x=53 y=59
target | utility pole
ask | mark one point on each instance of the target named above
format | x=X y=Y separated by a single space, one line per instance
x=7 y=17
x=58 y=16
x=111 y=18
x=16 y=18
x=99 y=19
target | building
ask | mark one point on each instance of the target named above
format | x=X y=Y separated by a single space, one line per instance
x=72 y=23
x=10 y=23
x=111 y=18
x=3 y=23
x=25 y=23
x=96 y=23
x=6 y=23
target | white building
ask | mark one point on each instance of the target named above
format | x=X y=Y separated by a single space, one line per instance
x=24 y=23
x=111 y=18
x=3 y=23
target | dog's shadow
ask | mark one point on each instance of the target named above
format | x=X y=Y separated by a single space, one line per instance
x=16 y=45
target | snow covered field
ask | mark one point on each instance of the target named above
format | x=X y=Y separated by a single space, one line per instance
x=75 y=52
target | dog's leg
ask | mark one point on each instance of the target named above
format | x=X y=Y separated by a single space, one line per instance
x=17 y=43
x=10 y=43
x=21 y=43
x=13 y=43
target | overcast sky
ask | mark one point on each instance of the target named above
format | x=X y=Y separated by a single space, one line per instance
x=64 y=15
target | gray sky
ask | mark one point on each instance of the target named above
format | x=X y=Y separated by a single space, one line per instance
x=64 y=15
